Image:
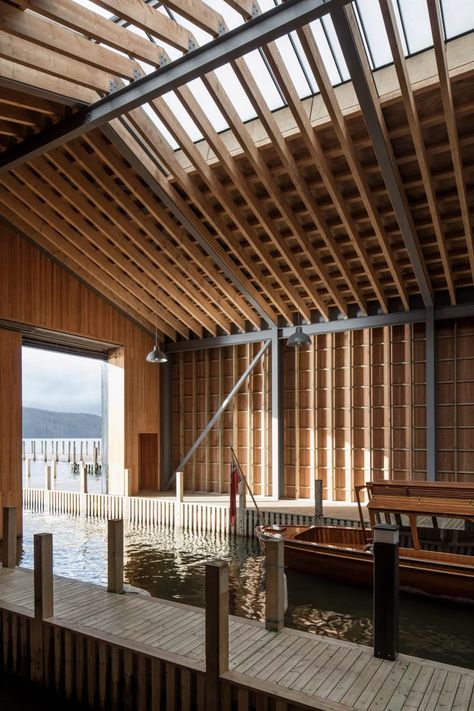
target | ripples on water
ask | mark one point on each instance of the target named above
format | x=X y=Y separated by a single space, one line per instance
x=170 y=564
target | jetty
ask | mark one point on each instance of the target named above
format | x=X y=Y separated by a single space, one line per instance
x=132 y=652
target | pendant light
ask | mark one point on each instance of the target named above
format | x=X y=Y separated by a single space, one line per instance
x=298 y=338
x=156 y=355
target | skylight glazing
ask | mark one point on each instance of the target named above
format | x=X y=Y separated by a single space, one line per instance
x=413 y=24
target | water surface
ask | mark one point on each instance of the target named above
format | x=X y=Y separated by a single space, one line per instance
x=170 y=564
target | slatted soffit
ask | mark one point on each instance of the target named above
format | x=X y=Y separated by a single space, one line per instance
x=255 y=194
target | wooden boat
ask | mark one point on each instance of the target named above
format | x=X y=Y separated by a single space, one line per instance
x=434 y=559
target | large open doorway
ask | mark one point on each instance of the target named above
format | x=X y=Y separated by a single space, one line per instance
x=64 y=419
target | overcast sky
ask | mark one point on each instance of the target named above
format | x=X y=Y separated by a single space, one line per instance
x=60 y=382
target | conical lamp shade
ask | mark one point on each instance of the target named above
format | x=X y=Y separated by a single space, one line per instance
x=156 y=355
x=298 y=338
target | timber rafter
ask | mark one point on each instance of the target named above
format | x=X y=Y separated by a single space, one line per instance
x=285 y=218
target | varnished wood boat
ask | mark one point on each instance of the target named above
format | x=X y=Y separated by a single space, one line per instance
x=434 y=560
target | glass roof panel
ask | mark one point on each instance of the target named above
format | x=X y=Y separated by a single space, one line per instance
x=264 y=80
x=208 y=104
x=310 y=78
x=373 y=29
x=242 y=105
x=416 y=22
x=458 y=16
x=293 y=66
x=182 y=116
x=328 y=27
x=326 y=52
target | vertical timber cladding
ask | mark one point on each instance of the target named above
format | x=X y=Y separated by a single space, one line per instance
x=10 y=423
x=354 y=408
x=455 y=406
x=37 y=291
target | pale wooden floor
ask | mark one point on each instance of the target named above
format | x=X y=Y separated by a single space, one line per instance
x=346 y=675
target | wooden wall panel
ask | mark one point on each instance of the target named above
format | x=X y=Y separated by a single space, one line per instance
x=37 y=291
x=10 y=422
x=354 y=409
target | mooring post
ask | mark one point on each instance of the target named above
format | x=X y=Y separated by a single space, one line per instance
x=386 y=591
x=274 y=586
x=115 y=555
x=318 y=502
x=179 y=487
x=83 y=477
x=45 y=451
x=74 y=453
x=69 y=452
x=217 y=630
x=241 y=509
x=23 y=449
x=44 y=603
x=28 y=468
x=56 y=452
x=47 y=477
x=9 y=537
x=33 y=450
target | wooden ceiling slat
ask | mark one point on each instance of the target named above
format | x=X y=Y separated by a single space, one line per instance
x=200 y=13
x=312 y=143
x=90 y=24
x=244 y=7
x=221 y=194
x=289 y=164
x=434 y=10
x=138 y=249
x=123 y=252
x=253 y=200
x=416 y=134
x=129 y=178
x=8 y=112
x=70 y=224
x=150 y=133
x=9 y=128
x=278 y=196
x=24 y=205
x=37 y=58
x=33 y=104
x=151 y=21
x=329 y=96
x=28 y=80
x=200 y=307
x=51 y=36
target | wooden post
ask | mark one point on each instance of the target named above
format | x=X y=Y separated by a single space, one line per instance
x=28 y=468
x=318 y=502
x=386 y=591
x=69 y=452
x=94 y=458
x=45 y=449
x=115 y=555
x=126 y=482
x=241 y=509
x=82 y=478
x=81 y=449
x=274 y=586
x=23 y=449
x=179 y=487
x=47 y=477
x=53 y=471
x=74 y=453
x=43 y=598
x=33 y=449
x=43 y=575
x=56 y=456
x=217 y=630
x=9 y=537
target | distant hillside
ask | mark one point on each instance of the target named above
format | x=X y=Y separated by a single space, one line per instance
x=51 y=425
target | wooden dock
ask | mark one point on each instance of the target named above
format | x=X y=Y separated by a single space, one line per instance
x=132 y=652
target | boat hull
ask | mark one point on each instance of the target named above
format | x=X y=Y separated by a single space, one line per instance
x=341 y=556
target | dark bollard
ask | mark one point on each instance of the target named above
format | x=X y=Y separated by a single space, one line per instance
x=386 y=591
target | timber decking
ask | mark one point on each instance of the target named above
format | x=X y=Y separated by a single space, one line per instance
x=303 y=668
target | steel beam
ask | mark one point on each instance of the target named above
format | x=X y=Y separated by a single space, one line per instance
x=353 y=50
x=278 y=430
x=166 y=433
x=243 y=39
x=130 y=156
x=431 y=438
x=224 y=404
x=398 y=318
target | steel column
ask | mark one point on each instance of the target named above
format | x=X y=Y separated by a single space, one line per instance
x=166 y=433
x=224 y=404
x=243 y=39
x=431 y=438
x=278 y=430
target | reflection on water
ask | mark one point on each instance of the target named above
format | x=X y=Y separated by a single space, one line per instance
x=170 y=564
x=66 y=480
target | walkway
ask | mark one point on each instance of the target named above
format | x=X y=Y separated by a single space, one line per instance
x=320 y=672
